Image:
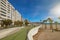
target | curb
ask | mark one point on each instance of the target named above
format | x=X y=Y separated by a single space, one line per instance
x=32 y=32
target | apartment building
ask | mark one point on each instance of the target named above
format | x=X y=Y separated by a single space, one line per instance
x=18 y=16
x=3 y=9
x=7 y=11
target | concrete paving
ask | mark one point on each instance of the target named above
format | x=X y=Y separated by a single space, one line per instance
x=6 y=32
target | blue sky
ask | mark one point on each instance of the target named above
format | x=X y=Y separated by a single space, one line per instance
x=35 y=10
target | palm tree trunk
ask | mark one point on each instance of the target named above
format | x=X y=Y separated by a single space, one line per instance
x=42 y=25
x=45 y=26
x=56 y=26
x=51 y=27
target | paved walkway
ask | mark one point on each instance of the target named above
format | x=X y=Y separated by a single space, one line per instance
x=6 y=32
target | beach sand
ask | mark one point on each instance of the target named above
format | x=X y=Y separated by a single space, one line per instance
x=47 y=34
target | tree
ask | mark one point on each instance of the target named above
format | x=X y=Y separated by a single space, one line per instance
x=26 y=22
x=50 y=21
x=9 y=21
x=44 y=21
x=6 y=22
x=21 y=23
x=18 y=23
x=2 y=24
x=15 y=23
x=56 y=25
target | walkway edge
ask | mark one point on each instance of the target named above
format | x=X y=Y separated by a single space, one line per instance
x=32 y=32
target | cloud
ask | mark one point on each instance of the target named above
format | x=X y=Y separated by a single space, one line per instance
x=52 y=8
x=55 y=10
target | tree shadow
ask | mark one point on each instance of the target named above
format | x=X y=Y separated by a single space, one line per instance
x=56 y=30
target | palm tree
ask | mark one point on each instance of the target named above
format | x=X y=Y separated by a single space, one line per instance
x=50 y=21
x=56 y=25
x=44 y=21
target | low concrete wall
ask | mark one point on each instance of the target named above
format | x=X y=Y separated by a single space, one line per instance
x=32 y=32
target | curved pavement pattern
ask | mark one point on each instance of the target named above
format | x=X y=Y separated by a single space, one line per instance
x=6 y=32
x=32 y=32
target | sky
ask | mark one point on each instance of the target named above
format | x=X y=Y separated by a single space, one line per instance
x=36 y=10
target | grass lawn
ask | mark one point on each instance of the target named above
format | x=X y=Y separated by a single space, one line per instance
x=20 y=35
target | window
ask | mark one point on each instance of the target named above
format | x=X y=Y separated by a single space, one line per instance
x=4 y=1
x=3 y=15
x=8 y=16
x=3 y=12
x=3 y=9
x=3 y=4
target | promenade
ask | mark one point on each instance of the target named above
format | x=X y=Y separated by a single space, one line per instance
x=6 y=32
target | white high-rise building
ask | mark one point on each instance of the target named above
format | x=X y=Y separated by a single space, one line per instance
x=7 y=11
x=3 y=9
x=18 y=16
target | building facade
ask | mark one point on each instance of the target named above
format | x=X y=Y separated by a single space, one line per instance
x=7 y=11
x=3 y=9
